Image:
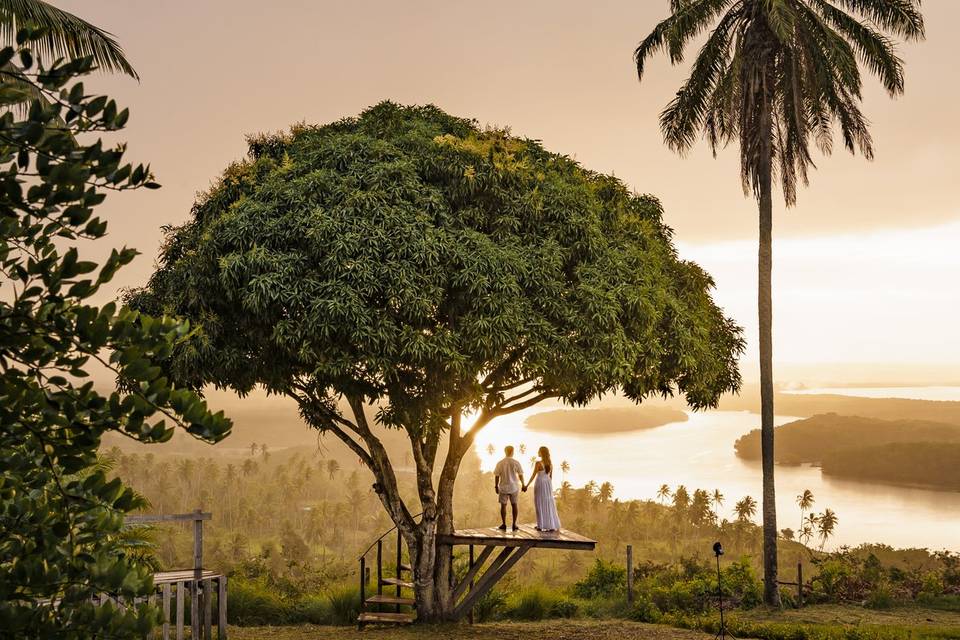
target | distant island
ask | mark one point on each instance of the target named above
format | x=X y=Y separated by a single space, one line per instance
x=931 y=464
x=612 y=420
x=907 y=452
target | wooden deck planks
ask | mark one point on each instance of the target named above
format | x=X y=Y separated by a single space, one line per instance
x=528 y=534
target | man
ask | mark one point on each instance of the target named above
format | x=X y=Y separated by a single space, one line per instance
x=507 y=480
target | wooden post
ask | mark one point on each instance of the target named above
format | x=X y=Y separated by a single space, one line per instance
x=196 y=615
x=166 y=611
x=363 y=583
x=181 y=585
x=800 y=584
x=399 y=562
x=208 y=609
x=630 y=573
x=470 y=615
x=222 y=608
x=379 y=569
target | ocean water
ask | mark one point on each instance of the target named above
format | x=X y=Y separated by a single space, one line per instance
x=699 y=454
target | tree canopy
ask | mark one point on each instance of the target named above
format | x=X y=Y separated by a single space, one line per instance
x=408 y=255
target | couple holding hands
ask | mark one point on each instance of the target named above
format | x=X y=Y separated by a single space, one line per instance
x=508 y=482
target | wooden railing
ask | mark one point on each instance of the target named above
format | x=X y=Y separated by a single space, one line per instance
x=197 y=582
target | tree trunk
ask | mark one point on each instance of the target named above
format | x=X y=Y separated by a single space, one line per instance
x=431 y=562
x=771 y=590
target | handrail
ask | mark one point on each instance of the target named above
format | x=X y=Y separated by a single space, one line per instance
x=387 y=532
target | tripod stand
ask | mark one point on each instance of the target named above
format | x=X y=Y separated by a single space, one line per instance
x=722 y=633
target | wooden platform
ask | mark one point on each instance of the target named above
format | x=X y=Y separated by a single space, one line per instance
x=513 y=545
x=527 y=536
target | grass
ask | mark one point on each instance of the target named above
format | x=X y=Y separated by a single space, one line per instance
x=827 y=622
x=554 y=629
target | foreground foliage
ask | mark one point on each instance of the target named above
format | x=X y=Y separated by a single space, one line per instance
x=60 y=515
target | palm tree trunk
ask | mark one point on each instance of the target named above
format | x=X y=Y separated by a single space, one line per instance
x=771 y=590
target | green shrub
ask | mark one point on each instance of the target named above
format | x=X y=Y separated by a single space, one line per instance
x=564 y=607
x=643 y=610
x=605 y=579
x=880 y=597
x=344 y=605
x=253 y=603
x=312 y=609
x=537 y=603
x=489 y=606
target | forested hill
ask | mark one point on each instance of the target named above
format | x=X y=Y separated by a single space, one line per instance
x=811 y=439
x=788 y=404
x=933 y=464
x=904 y=452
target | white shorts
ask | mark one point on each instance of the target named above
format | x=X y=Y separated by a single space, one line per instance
x=509 y=497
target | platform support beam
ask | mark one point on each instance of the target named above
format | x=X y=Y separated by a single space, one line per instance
x=498 y=568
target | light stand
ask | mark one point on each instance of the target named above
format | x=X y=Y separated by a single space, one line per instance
x=723 y=634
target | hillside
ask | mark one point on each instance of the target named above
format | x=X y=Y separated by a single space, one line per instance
x=935 y=464
x=607 y=420
x=811 y=439
x=788 y=404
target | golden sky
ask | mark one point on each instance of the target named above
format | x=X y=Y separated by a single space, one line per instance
x=866 y=264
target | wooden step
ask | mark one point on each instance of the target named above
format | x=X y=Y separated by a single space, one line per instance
x=370 y=617
x=384 y=599
x=398 y=582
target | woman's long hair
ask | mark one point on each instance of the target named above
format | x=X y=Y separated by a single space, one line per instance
x=545 y=460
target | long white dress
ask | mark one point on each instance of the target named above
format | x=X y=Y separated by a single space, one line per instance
x=547 y=517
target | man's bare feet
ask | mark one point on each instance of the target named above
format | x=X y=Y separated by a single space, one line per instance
x=516 y=528
x=502 y=527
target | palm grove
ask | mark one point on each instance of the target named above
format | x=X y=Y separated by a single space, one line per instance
x=774 y=77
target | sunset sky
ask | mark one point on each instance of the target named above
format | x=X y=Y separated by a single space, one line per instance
x=866 y=265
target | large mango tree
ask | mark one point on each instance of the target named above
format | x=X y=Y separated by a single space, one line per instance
x=409 y=269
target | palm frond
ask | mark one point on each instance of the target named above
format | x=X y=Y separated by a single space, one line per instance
x=684 y=116
x=66 y=35
x=899 y=17
x=875 y=50
x=688 y=20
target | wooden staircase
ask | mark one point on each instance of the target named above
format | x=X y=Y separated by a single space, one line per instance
x=386 y=608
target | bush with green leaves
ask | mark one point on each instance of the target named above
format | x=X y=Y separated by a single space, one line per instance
x=61 y=519
x=604 y=580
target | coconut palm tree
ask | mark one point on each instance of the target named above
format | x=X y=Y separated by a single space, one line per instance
x=605 y=493
x=808 y=528
x=65 y=35
x=717 y=499
x=663 y=493
x=565 y=468
x=805 y=502
x=745 y=509
x=333 y=467
x=826 y=525
x=772 y=76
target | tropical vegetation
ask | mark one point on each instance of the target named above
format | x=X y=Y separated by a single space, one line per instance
x=60 y=514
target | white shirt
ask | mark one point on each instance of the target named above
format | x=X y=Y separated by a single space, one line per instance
x=509 y=472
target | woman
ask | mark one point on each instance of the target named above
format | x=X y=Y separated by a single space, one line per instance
x=547 y=518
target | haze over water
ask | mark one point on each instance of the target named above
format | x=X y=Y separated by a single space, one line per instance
x=699 y=454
